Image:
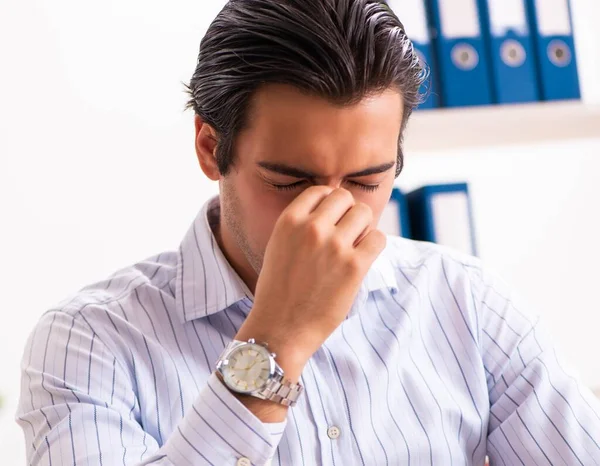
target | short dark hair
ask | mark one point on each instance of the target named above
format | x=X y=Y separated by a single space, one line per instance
x=340 y=50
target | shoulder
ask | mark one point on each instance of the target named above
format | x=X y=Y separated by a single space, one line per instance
x=104 y=318
x=411 y=255
x=441 y=263
x=459 y=282
x=108 y=310
x=154 y=273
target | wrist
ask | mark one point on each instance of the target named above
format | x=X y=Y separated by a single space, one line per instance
x=265 y=410
x=290 y=356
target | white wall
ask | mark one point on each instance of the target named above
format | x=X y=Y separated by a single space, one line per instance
x=97 y=170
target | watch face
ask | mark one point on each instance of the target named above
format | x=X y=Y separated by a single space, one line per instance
x=248 y=368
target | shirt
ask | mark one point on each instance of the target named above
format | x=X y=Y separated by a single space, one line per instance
x=436 y=363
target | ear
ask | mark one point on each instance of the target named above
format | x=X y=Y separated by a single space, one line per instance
x=206 y=148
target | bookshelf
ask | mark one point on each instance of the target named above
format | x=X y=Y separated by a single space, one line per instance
x=501 y=125
x=443 y=130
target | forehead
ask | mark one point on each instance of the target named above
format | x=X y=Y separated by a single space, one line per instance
x=287 y=125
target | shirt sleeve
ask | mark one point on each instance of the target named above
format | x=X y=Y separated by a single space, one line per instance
x=539 y=412
x=78 y=405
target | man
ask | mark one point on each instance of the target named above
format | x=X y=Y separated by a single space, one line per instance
x=378 y=351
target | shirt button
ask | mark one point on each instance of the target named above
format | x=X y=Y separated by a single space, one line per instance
x=333 y=432
x=243 y=462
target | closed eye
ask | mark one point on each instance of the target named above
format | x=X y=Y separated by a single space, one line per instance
x=292 y=186
x=288 y=187
x=366 y=187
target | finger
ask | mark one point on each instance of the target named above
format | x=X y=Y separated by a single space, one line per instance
x=372 y=245
x=365 y=232
x=354 y=224
x=307 y=201
x=332 y=209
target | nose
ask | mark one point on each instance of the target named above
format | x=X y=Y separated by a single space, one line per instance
x=331 y=183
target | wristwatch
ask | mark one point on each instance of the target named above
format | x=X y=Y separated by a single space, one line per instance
x=250 y=369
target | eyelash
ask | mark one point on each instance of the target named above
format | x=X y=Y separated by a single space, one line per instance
x=290 y=187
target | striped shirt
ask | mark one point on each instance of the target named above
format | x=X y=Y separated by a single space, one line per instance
x=436 y=363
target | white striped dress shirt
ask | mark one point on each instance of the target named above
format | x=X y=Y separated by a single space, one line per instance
x=435 y=364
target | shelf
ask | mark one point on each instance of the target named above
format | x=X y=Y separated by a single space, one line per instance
x=500 y=125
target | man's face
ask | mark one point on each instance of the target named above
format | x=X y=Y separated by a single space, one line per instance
x=294 y=141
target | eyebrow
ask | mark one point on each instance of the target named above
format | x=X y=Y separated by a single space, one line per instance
x=287 y=170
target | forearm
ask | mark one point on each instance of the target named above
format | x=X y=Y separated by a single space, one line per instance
x=98 y=422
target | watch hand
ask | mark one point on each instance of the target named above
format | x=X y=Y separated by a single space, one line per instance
x=253 y=364
x=236 y=368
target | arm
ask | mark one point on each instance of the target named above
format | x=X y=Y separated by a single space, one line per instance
x=321 y=248
x=78 y=405
x=79 y=402
x=539 y=414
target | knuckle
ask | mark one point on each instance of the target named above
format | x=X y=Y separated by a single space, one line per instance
x=344 y=195
x=378 y=235
x=354 y=266
x=379 y=240
x=365 y=210
x=319 y=189
x=315 y=233
x=337 y=247
x=292 y=219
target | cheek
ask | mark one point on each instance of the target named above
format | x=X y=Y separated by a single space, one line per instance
x=261 y=209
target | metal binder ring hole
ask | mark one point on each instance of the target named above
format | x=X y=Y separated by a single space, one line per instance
x=465 y=57
x=559 y=53
x=513 y=54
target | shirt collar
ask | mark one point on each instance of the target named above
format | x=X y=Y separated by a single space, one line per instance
x=207 y=284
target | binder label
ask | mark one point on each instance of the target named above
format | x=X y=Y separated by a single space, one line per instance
x=559 y=53
x=513 y=54
x=553 y=17
x=459 y=19
x=414 y=18
x=465 y=57
x=507 y=15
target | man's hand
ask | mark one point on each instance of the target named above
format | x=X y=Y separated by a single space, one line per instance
x=320 y=250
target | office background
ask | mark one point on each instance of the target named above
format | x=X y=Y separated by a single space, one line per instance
x=94 y=144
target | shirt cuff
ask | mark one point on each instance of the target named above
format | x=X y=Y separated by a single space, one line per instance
x=219 y=429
